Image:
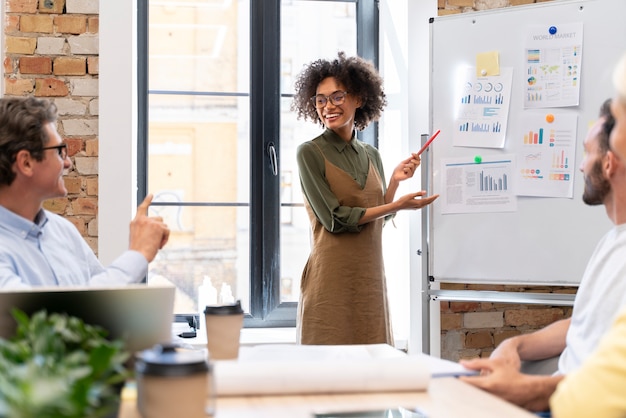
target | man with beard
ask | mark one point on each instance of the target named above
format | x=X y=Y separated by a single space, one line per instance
x=601 y=294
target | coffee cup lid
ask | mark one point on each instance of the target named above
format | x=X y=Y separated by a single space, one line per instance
x=169 y=360
x=230 y=309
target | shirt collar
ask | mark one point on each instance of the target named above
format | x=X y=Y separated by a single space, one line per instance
x=20 y=226
x=339 y=143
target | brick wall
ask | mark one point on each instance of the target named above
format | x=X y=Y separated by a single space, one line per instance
x=447 y=7
x=51 y=51
x=474 y=329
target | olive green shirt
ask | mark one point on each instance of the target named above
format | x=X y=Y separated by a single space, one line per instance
x=353 y=157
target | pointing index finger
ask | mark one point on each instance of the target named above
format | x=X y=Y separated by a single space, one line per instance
x=142 y=209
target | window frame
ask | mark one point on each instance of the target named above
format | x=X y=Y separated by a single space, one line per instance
x=266 y=309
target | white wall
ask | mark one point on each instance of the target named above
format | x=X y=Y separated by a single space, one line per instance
x=405 y=51
x=118 y=121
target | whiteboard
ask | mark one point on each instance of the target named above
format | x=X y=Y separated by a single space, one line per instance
x=546 y=241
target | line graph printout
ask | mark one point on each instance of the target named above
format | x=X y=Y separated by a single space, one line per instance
x=546 y=158
x=477 y=187
x=481 y=108
x=553 y=64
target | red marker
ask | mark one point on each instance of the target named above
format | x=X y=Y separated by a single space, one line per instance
x=431 y=139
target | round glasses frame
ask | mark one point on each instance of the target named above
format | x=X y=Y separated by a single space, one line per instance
x=336 y=98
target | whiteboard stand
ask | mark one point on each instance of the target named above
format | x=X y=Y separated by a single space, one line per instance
x=526 y=298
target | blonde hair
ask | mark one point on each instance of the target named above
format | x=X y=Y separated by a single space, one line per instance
x=619 y=79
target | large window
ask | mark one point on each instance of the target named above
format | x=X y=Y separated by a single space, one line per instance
x=218 y=143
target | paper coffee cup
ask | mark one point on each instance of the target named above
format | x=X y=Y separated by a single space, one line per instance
x=223 y=329
x=173 y=382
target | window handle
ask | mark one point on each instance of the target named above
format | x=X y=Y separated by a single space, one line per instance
x=271 y=151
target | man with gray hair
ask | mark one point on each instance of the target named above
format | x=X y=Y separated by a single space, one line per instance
x=38 y=247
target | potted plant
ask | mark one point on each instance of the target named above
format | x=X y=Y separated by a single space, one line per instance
x=58 y=366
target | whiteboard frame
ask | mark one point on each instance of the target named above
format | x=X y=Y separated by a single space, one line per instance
x=465 y=239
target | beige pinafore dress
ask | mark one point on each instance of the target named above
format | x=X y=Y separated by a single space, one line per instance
x=343 y=297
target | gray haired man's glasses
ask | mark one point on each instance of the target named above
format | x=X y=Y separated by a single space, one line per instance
x=61 y=149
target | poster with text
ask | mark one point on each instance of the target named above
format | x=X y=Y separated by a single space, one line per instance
x=478 y=186
x=553 y=65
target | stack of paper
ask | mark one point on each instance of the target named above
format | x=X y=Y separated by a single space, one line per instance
x=291 y=369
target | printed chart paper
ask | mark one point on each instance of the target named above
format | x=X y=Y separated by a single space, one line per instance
x=469 y=186
x=482 y=109
x=553 y=65
x=546 y=160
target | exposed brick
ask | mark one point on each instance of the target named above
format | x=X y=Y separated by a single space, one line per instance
x=490 y=4
x=21 y=6
x=73 y=184
x=20 y=45
x=50 y=87
x=464 y=306
x=35 y=65
x=93 y=244
x=453 y=341
x=93 y=65
x=92 y=227
x=500 y=336
x=85 y=206
x=51 y=6
x=84 y=87
x=57 y=205
x=94 y=107
x=483 y=320
x=86 y=165
x=8 y=65
x=92 y=186
x=82 y=6
x=70 y=24
x=84 y=44
x=74 y=146
x=461 y=3
x=80 y=127
x=11 y=24
x=18 y=87
x=49 y=45
x=93 y=24
x=453 y=286
x=535 y=317
x=79 y=223
x=69 y=106
x=70 y=66
x=497 y=288
x=36 y=23
x=451 y=321
x=480 y=339
x=91 y=147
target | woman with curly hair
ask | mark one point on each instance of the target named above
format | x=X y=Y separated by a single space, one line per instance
x=343 y=296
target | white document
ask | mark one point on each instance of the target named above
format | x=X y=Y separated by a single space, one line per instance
x=482 y=109
x=553 y=59
x=547 y=157
x=479 y=186
x=297 y=369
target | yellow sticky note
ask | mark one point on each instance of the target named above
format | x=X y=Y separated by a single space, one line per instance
x=487 y=64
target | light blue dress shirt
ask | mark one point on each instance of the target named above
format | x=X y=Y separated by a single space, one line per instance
x=51 y=252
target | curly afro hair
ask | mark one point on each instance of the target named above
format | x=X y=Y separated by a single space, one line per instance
x=358 y=75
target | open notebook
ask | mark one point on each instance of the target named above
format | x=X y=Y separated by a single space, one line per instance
x=141 y=315
x=290 y=369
